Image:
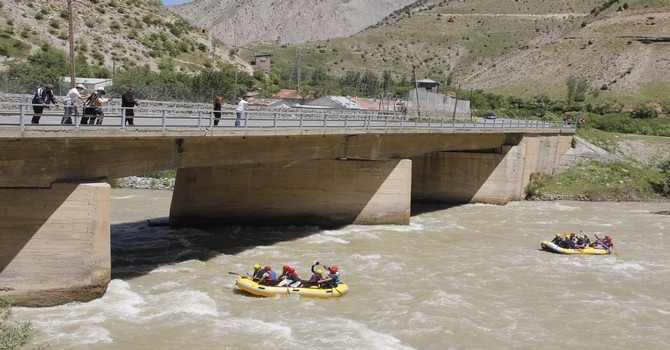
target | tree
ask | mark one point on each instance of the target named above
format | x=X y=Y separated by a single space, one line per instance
x=581 y=89
x=571 y=84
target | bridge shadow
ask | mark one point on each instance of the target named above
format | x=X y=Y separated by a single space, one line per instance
x=421 y=208
x=138 y=248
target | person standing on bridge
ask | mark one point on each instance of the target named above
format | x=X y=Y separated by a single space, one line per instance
x=217 y=109
x=93 y=107
x=43 y=97
x=70 y=101
x=239 y=111
x=128 y=101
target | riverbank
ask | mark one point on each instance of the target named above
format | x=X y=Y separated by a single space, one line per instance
x=610 y=168
x=144 y=183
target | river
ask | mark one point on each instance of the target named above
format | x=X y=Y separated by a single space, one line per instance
x=460 y=277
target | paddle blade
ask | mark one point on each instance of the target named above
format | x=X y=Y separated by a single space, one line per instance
x=617 y=254
x=234 y=273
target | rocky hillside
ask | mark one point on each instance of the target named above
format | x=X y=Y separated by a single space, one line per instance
x=513 y=47
x=286 y=22
x=520 y=47
x=112 y=33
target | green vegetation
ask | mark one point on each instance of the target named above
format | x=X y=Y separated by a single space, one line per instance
x=14 y=335
x=599 y=181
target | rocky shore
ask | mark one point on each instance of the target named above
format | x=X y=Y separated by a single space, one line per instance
x=137 y=182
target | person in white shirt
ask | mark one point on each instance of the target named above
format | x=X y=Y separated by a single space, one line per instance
x=69 y=103
x=239 y=111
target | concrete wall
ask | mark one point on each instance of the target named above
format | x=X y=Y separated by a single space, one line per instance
x=55 y=244
x=323 y=193
x=495 y=176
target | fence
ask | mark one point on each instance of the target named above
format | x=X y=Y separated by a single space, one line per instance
x=184 y=115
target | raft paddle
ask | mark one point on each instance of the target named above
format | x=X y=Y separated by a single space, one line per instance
x=234 y=273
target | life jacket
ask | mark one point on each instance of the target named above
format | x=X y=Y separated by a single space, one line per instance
x=292 y=277
x=335 y=279
x=272 y=276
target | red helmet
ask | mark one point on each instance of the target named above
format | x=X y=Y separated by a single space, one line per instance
x=608 y=238
x=285 y=267
x=267 y=268
x=291 y=270
x=333 y=269
x=572 y=233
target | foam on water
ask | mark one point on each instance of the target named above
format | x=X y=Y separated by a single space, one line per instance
x=470 y=276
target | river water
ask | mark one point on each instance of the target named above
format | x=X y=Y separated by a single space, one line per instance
x=460 y=277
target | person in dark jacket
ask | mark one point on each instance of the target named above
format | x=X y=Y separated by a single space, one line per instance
x=44 y=95
x=217 y=109
x=258 y=272
x=128 y=101
x=317 y=275
x=558 y=239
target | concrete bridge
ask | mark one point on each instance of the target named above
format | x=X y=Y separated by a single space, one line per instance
x=326 y=169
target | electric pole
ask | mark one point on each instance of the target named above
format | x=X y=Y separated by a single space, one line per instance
x=70 y=21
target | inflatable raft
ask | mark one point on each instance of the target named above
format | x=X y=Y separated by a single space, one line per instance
x=248 y=285
x=552 y=247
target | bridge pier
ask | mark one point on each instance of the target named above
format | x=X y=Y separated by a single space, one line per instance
x=55 y=243
x=494 y=176
x=325 y=193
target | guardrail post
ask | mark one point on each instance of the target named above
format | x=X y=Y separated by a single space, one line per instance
x=274 y=120
x=164 y=119
x=123 y=118
x=22 y=114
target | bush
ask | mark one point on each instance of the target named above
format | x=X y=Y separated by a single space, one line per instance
x=662 y=185
x=644 y=112
x=13 y=335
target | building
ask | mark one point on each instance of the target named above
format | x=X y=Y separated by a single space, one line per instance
x=262 y=62
x=90 y=83
x=428 y=84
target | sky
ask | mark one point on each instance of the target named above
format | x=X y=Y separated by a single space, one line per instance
x=174 y=2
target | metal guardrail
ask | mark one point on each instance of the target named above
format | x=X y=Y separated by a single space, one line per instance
x=191 y=117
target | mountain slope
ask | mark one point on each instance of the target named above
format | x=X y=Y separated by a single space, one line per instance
x=286 y=22
x=520 y=47
x=110 y=33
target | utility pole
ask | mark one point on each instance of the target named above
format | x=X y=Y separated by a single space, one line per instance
x=453 y=117
x=70 y=21
x=296 y=74
x=416 y=90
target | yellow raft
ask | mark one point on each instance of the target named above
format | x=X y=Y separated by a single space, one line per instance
x=552 y=247
x=248 y=285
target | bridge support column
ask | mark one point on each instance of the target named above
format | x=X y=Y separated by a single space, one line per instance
x=54 y=243
x=323 y=193
x=497 y=177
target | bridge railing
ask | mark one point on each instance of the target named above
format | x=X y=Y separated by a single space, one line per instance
x=21 y=114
